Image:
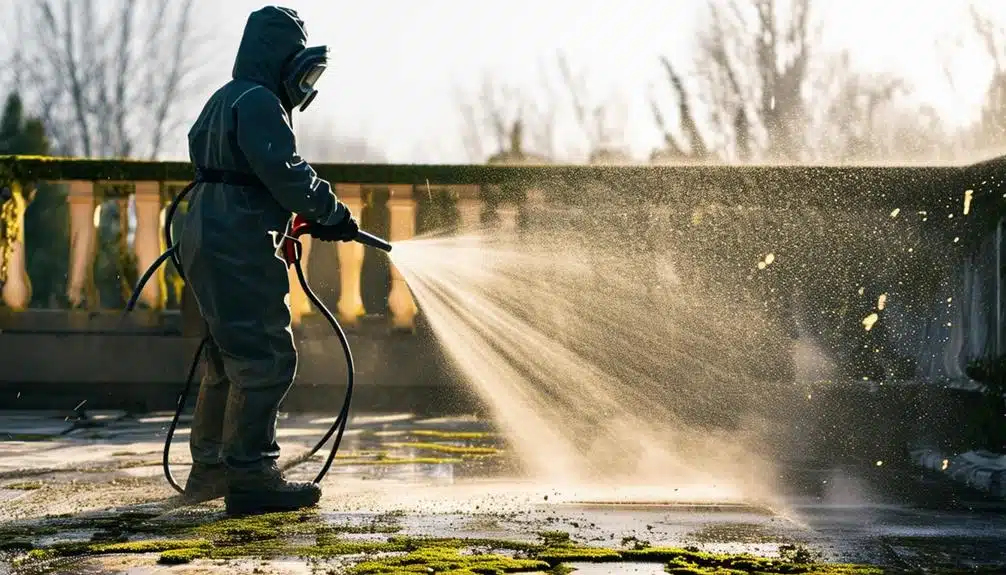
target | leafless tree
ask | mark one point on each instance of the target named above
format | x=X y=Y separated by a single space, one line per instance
x=109 y=78
x=755 y=58
x=695 y=145
x=602 y=120
x=856 y=115
x=502 y=119
x=989 y=31
x=758 y=66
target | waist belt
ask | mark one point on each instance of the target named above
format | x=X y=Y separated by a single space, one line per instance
x=229 y=177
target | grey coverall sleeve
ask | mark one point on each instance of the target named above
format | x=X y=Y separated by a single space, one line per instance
x=268 y=142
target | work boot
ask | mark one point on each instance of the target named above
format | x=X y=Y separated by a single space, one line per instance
x=265 y=490
x=206 y=482
x=255 y=483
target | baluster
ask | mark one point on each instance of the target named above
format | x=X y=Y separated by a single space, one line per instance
x=17 y=286
x=531 y=208
x=79 y=289
x=469 y=208
x=299 y=304
x=350 y=305
x=402 y=210
x=148 y=243
x=508 y=217
x=174 y=285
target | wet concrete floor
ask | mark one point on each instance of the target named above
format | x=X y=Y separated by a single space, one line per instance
x=451 y=477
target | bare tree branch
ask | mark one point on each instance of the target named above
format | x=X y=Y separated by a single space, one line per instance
x=602 y=128
x=171 y=84
x=108 y=78
x=990 y=131
x=697 y=144
x=757 y=62
x=499 y=113
x=123 y=68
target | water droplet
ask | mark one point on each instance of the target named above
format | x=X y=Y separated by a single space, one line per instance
x=870 y=320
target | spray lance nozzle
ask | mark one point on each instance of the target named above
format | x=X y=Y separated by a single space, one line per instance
x=300 y=226
x=369 y=239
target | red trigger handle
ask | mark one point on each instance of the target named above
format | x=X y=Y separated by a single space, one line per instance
x=291 y=246
x=299 y=227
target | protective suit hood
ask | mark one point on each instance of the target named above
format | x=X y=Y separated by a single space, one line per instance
x=272 y=35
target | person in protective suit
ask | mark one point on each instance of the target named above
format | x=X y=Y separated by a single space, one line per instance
x=250 y=181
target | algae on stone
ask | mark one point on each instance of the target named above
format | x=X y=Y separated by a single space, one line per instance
x=25 y=485
x=306 y=534
x=442 y=448
x=447 y=435
x=399 y=461
x=447 y=560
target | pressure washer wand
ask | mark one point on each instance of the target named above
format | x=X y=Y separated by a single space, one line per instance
x=369 y=239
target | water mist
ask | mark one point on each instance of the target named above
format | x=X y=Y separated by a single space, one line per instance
x=603 y=364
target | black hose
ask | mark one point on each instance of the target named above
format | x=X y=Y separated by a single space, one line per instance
x=338 y=426
x=178 y=413
x=135 y=296
x=343 y=417
x=168 y=219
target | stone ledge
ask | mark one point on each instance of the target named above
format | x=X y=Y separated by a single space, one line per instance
x=980 y=470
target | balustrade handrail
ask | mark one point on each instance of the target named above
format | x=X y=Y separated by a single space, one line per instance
x=476 y=188
x=961 y=205
x=906 y=186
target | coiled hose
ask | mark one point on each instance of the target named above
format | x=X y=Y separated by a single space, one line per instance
x=338 y=427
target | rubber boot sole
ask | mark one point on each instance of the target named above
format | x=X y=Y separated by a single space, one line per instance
x=259 y=502
x=195 y=498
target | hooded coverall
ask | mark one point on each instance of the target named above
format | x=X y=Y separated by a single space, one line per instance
x=230 y=247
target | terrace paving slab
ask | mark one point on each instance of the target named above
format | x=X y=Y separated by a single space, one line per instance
x=452 y=477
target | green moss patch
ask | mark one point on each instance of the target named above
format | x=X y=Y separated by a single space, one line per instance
x=452 y=449
x=307 y=534
x=27 y=437
x=400 y=461
x=182 y=556
x=25 y=485
x=89 y=548
x=448 y=560
x=453 y=435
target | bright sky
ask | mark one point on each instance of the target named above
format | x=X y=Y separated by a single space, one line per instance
x=398 y=64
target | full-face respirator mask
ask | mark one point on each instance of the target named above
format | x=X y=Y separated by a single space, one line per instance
x=301 y=73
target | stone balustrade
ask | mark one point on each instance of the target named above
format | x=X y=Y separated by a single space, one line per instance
x=150 y=201
x=394 y=201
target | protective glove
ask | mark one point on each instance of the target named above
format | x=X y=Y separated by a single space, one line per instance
x=343 y=231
